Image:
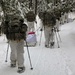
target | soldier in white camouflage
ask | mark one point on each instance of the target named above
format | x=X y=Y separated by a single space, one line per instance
x=13 y=16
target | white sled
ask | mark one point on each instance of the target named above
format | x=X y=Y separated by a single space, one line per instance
x=31 y=39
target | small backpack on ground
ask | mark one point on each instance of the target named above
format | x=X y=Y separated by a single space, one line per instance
x=30 y=16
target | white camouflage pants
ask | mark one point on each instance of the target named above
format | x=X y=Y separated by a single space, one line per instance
x=57 y=24
x=66 y=17
x=62 y=20
x=31 y=26
x=49 y=35
x=17 y=51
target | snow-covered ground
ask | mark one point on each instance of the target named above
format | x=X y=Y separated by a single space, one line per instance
x=45 y=61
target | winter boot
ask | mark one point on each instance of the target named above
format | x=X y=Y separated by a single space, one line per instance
x=13 y=64
x=46 y=46
x=52 y=45
x=21 y=69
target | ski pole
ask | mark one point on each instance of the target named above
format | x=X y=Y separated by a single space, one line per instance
x=59 y=36
x=37 y=29
x=40 y=38
x=55 y=29
x=29 y=56
x=7 y=52
x=57 y=40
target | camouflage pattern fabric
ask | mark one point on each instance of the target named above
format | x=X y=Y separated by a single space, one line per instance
x=49 y=19
x=12 y=15
x=30 y=16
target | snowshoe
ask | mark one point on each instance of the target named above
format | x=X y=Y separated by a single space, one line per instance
x=21 y=69
x=33 y=44
x=13 y=65
x=46 y=46
x=52 y=45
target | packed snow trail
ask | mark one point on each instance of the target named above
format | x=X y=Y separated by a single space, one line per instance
x=45 y=61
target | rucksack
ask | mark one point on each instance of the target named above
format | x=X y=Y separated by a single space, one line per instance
x=30 y=16
x=15 y=28
x=57 y=13
x=49 y=19
x=17 y=33
x=14 y=22
x=41 y=15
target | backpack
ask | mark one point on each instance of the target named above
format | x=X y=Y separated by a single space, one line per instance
x=41 y=15
x=49 y=19
x=57 y=13
x=15 y=20
x=15 y=28
x=17 y=33
x=30 y=16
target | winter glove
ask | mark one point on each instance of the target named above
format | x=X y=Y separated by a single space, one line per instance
x=55 y=29
x=58 y=30
x=41 y=29
x=36 y=22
